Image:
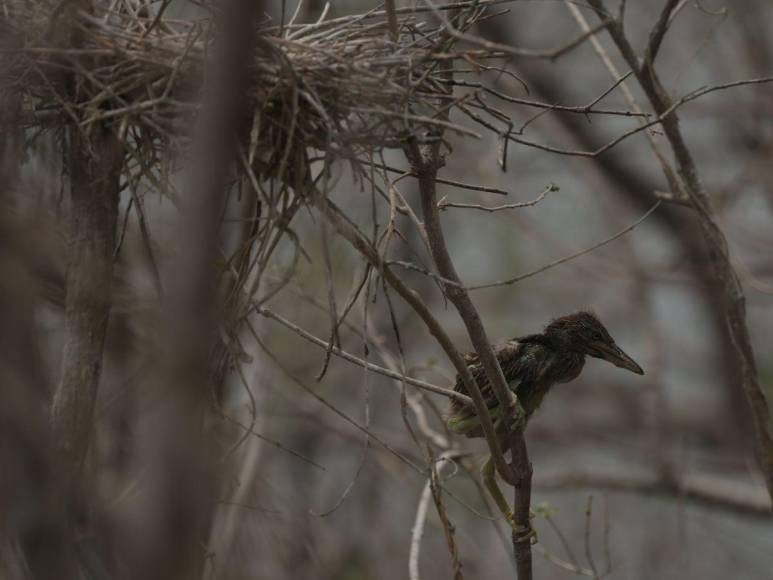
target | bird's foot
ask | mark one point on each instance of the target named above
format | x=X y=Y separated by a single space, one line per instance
x=524 y=533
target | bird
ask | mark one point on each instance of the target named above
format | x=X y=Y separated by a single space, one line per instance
x=531 y=365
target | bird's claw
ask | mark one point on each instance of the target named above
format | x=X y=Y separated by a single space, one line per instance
x=522 y=533
x=525 y=533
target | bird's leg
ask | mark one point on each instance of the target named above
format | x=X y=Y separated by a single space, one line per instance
x=463 y=426
x=489 y=473
x=467 y=424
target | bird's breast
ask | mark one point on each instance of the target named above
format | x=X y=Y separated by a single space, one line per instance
x=571 y=369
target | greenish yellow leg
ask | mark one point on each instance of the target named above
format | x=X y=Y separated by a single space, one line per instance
x=490 y=480
x=468 y=424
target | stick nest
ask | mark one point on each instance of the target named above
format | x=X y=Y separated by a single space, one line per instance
x=348 y=87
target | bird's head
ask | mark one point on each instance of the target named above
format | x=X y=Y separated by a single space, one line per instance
x=583 y=332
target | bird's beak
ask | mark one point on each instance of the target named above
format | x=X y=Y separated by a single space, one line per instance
x=615 y=355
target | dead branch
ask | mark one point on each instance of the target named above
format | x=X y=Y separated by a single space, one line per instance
x=443 y=204
x=361 y=244
x=183 y=477
x=570 y=257
x=725 y=274
x=425 y=163
x=360 y=362
x=95 y=161
x=436 y=469
x=702 y=489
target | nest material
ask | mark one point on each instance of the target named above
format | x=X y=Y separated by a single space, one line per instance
x=349 y=86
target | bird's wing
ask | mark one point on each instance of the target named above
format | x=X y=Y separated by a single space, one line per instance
x=509 y=360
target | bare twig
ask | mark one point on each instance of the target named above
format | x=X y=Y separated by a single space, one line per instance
x=358 y=361
x=360 y=243
x=448 y=527
x=389 y=8
x=658 y=32
x=725 y=274
x=417 y=532
x=711 y=491
x=568 y=258
x=443 y=204
x=312 y=392
x=586 y=537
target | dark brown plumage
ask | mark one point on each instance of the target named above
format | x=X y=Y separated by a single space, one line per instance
x=533 y=364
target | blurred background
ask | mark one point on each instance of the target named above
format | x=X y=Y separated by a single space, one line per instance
x=634 y=477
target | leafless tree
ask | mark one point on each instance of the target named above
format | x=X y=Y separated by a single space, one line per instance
x=208 y=206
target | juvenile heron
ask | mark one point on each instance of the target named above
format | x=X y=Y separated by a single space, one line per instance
x=532 y=365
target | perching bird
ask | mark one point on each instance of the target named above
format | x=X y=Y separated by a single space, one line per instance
x=532 y=365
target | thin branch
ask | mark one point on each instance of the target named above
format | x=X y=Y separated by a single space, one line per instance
x=586 y=538
x=570 y=257
x=724 y=273
x=443 y=204
x=249 y=430
x=448 y=528
x=550 y=54
x=313 y=393
x=417 y=532
x=358 y=361
x=459 y=184
x=389 y=8
x=710 y=491
x=658 y=32
x=361 y=244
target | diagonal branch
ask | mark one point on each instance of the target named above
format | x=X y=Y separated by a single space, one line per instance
x=724 y=273
x=429 y=387
x=349 y=232
x=658 y=32
x=425 y=164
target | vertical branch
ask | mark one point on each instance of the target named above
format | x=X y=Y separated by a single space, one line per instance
x=425 y=165
x=448 y=528
x=179 y=511
x=95 y=161
x=412 y=298
x=389 y=6
x=724 y=273
x=33 y=523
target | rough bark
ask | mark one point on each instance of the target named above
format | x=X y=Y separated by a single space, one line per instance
x=95 y=161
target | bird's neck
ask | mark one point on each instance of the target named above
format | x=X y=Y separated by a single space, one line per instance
x=553 y=342
x=541 y=339
x=565 y=362
x=559 y=342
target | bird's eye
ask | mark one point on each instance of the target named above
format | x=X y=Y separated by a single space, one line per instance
x=597 y=336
